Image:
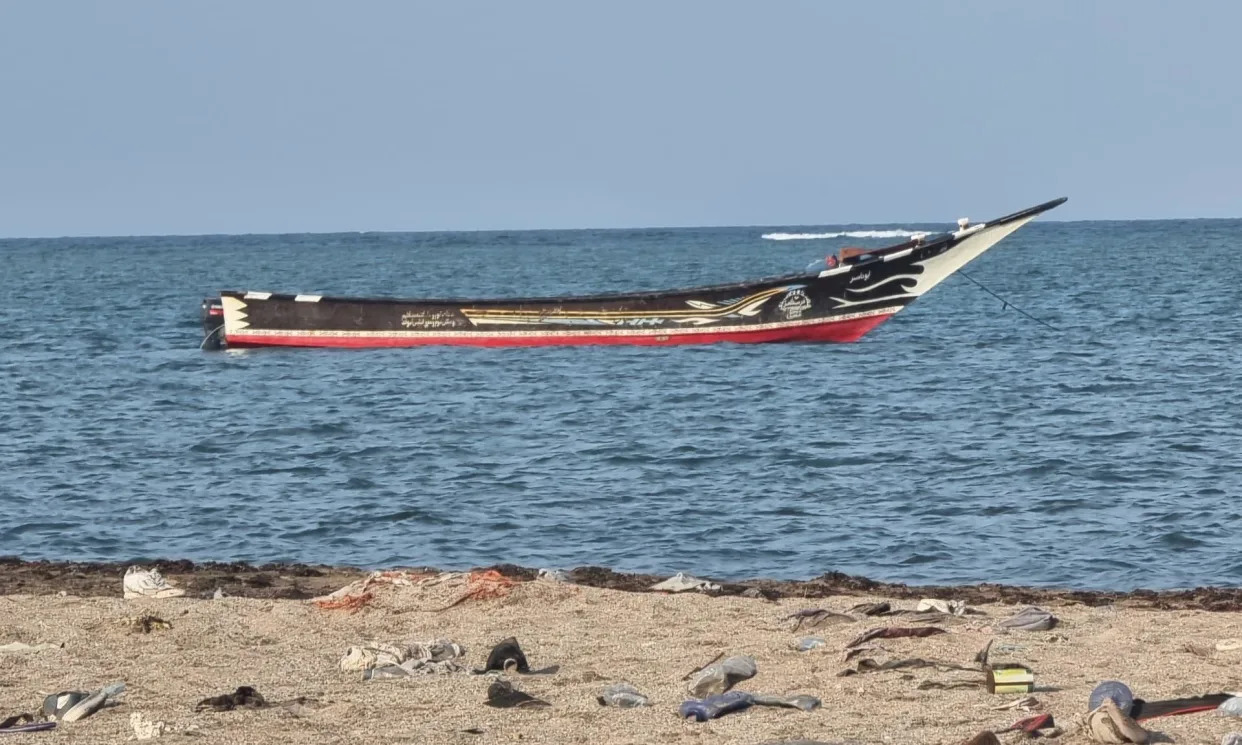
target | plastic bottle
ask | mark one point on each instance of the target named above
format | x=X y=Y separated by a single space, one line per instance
x=1119 y=692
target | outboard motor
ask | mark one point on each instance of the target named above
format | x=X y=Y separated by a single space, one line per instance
x=213 y=323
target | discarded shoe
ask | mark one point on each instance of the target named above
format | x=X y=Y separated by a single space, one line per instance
x=70 y=706
x=682 y=582
x=622 y=696
x=1108 y=724
x=148 y=583
x=1030 y=618
x=719 y=677
x=502 y=695
x=714 y=707
x=243 y=697
x=507 y=656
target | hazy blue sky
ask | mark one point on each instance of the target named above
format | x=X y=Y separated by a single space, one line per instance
x=228 y=116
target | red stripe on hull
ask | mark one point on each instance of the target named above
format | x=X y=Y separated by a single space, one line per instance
x=829 y=331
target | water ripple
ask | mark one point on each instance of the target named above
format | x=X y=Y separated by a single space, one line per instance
x=958 y=443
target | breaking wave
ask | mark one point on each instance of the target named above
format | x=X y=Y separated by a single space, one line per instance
x=844 y=234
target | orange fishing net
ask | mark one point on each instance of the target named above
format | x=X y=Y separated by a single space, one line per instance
x=483 y=586
x=352 y=603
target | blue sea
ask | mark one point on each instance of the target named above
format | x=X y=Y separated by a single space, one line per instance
x=959 y=442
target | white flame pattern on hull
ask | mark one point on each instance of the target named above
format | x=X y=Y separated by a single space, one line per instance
x=976 y=240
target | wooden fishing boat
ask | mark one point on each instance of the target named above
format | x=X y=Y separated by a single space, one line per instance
x=846 y=296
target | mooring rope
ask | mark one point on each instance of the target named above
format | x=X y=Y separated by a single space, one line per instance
x=1005 y=303
x=207 y=338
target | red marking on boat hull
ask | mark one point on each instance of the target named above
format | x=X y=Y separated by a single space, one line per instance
x=828 y=331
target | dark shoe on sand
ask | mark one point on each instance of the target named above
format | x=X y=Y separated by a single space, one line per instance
x=502 y=695
x=243 y=697
x=507 y=656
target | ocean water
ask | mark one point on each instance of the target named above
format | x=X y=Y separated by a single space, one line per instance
x=959 y=442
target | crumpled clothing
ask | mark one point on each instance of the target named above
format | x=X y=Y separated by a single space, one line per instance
x=682 y=582
x=1030 y=618
x=430 y=655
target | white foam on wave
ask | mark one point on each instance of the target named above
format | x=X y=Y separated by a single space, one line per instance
x=843 y=234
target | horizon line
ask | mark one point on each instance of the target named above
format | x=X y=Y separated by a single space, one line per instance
x=567 y=230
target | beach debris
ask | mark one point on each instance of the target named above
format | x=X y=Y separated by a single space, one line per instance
x=717 y=705
x=385 y=661
x=801 y=702
x=1231 y=707
x=1010 y=678
x=147 y=583
x=145 y=729
x=71 y=706
x=871 y=609
x=682 y=582
x=23 y=723
x=947 y=607
x=894 y=632
x=24 y=648
x=1228 y=645
x=218 y=594
x=981 y=657
x=502 y=695
x=372 y=655
x=1233 y=738
x=243 y=697
x=302 y=706
x=714 y=707
x=1030 y=618
x=507 y=656
x=816 y=617
x=357 y=594
x=868 y=665
x=622 y=696
x=761 y=593
x=719 y=677
x=1031 y=725
x=553 y=575
x=1026 y=703
x=145 y=623
x=1109 y=724
x=483 y=585
x=853 y=652
x=928 y=684
x=807 y=643
x=429 y=655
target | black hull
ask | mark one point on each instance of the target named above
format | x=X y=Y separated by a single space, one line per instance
x=839 y=304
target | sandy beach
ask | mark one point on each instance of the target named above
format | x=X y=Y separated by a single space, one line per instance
x=290 y=647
